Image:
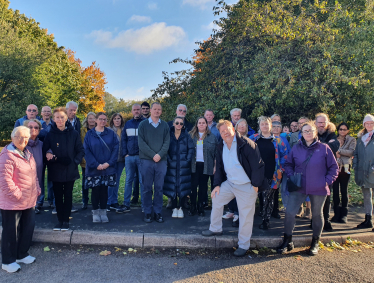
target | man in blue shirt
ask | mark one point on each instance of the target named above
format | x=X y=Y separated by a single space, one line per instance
x=31 y=113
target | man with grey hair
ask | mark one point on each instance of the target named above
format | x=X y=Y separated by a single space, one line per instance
x=31 y=113
x=236 y=115
x=71 y=108
x=182 y=112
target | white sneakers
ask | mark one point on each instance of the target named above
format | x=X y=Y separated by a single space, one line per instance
x=228 y=215
x=177 y=213
x=27 y=260
x=11 y=268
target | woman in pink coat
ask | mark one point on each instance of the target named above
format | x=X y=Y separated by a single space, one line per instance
x=19 y=190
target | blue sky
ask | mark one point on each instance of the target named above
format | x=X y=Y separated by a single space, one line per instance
x=132 y=41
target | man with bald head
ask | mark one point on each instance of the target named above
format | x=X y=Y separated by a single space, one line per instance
x=31 y=113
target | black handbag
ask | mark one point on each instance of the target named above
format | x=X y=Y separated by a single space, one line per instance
x=294 y=181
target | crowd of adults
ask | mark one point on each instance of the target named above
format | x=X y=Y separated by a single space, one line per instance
x=303 y=162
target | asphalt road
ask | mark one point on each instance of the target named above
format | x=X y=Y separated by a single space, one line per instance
x=84 y=264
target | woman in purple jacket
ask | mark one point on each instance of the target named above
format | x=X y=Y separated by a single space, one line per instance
x=319 y=169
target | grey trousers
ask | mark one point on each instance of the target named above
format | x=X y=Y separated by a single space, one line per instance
x=295 y=200
x=368 y=200
x=246 y=198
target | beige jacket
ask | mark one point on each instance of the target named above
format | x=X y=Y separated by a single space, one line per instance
x=346 y=151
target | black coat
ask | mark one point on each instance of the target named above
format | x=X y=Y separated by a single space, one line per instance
x=67 y=146
x=249 y=158
x=178 y=175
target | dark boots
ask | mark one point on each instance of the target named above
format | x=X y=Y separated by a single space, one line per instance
x=336 y=217
x=200 y=209
x=265 y=225
x=314 y=247
x=192 y=210
x=287 y=244
x=343 y=215
x=367 y=223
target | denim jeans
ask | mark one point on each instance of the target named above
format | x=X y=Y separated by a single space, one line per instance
x=132 y=165
x=51 y=197
x=153 y=173
x=113 y=191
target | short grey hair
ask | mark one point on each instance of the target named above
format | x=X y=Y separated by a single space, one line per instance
x=47 y=107
x=274 y=115
x=236 y=110
x=135 y=104
x=33 y=105
x=20 y=129
x=179 y=105
x=71 y=103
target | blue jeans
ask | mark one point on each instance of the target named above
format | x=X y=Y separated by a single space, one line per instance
x=51 y=197
x=113 y=191
x=132 y=165
x=153 y=173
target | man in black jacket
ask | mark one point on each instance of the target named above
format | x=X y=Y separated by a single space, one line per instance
x=182 y=112
x=239 y=173
x=71 y=108
x=326 y=135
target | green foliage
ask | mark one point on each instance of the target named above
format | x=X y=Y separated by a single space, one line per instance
x=291 y=57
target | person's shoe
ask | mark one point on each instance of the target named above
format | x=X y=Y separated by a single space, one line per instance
x=37 y=211
x=103 y=216
x=336 y=217
x=148 y=218
x=186 y=204
x=276 y=215
x=343 y=215
x=314 y=247
x=65 y=226
x=367 y=223
x=327 y=227
x=84 y=206
x=11 y=268
x=58 y=227
x=200 y=210
x=240 y=252
x=158 y=218
x=96 y=216
x=228 y=215
x=26 y=260
x=192 y=211
x=120 y=210
x=264 y=225
x=134 y=201
x=175 y=213
x=180 y=213
x=73 y=209
x=114 y=206
x=300 y=213
x=54 y=211
x=307 y=213
x=108 y=208
x=235 y=221
x=169 y=204
x=286 y=245
x=208 y=233
x=126 y=208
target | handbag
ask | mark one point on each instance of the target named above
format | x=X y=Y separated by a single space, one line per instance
x=294 y=181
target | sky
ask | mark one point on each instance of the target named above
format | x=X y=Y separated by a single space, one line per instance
x=132 y=41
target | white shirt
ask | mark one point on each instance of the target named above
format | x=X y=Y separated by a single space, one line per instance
x=72 y=122
x=199 y=149
x=234 y=170
x=154 y=124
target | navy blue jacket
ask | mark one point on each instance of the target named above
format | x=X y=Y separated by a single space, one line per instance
x=20 y=121
x=129 y=137
x=97 y=153
x=178 y=175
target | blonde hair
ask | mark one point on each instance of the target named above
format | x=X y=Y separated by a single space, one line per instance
x=246 y=128
x=26 y=123
x=85 y=121
x=60 y=109
x=323 y=115
x=264 y=119
x=224 y=122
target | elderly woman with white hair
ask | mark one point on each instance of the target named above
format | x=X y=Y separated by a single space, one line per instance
x=19 y=190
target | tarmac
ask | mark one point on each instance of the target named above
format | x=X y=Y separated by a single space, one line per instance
x=129 y=230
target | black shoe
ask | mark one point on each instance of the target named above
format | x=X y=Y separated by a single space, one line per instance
x=73 y=209
x=65 y=226
x=186 y=204
x=336 y=217
x=287 y=244
x=200 y=209
x=192 y=211
x=208 y=233
x=134 y=201
x=107 y=208
x=314 y=247
x=84 y=206
x=39 y=207
x=343 y=215
x=37 y=211
x=126 y=208
x=235 y=223
x=367 y=223
x=264 y=225
x=327 y=227
x=148 y=218
x=276 y=215
x=120 y=210
x=58 y=227
x=158 y=218
x=114 y=206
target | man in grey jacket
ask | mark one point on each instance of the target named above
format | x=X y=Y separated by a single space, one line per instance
x=297 y=135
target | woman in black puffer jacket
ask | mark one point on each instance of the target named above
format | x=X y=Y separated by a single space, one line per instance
x=178 y=176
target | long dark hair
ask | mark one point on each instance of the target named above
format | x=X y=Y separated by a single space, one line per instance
x=111 y=123
x=194 y=133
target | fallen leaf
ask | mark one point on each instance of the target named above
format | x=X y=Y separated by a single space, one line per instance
x=135 y=251
x=46 y=210
x=187 y=253
x=255 y=251
x=130 y=250
x=78 y=250
x=47 y=249
x=125 y=253
x=131 y=231
x=105 y=253
x=70 y=217
x=274 y=251
x=175 y=263
x=118 y=249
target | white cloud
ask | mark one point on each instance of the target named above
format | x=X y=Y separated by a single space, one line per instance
x=152 y=6
x=155 y=37
x=202 y=4
x=130 y=93
x=139 y=19
x=210 y=27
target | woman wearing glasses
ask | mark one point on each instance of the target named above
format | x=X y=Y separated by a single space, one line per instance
x=101 y=147
x=177 y=184
x=317 y=165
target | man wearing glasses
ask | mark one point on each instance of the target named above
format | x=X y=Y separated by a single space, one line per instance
x=31 y=113
x=297 y=135
x=182 y=112
x=145 y=109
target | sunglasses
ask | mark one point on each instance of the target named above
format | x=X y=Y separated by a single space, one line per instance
x=145 y=108
x=180 y=110
x=36 y=128
x=31 y=110
x=181 y=123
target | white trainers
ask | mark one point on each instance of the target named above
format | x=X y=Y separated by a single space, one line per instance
x=228 y=215
x=27 y=260
x=180 y=213
x=175 y=213
x=11 y=268
x=236 y=218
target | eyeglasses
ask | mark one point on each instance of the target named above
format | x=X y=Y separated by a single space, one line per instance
x=308 y=132
x=177 y=123
x=103 y=120
x=184 y=111
x=145 y=108
x=21 y=138
x=31 y=110
x=343 y=130
x=36 y=127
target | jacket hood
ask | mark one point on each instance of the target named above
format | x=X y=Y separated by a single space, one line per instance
x=33 y=143
x=314 y=143
x=105 y=132
x=68 y=127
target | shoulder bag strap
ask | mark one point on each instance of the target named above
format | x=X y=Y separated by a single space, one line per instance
x=104 y=142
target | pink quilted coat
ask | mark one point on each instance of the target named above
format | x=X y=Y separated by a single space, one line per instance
x=19 y=186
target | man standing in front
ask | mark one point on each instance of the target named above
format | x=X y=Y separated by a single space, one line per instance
x=71 y=108
x=153 y=140
x=239 y=173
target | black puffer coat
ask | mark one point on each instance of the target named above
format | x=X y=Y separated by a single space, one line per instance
x=178 y=175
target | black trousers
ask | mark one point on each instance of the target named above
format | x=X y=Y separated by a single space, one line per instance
x=276 y=202
x=327 y=207
x=63 y=199
x=199 y=180
x=175 y=204
x=18 y=228
x=99 y=197
x=342 y=181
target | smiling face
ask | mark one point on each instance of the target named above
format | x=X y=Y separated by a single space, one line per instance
x=145 y=110
x=321 y=123
x=202 y=125
x=31 y=112
x=242 y=128
x=181 y=111
x=101 y=121
x=46 y=113
x=72 y=111
x=276 y=130
x=343 y=131
x=91 y=121
x=60 y=119
x=294 y=127
x=369 y=126
x=227 y=133
x=34 y=129
x=21 y=139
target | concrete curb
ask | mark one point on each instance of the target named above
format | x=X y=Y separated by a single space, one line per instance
x=150 y=240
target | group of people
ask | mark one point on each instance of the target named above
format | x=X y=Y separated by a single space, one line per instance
x=305 y=162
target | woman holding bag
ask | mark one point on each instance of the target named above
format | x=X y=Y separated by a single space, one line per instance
x=319 y=169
